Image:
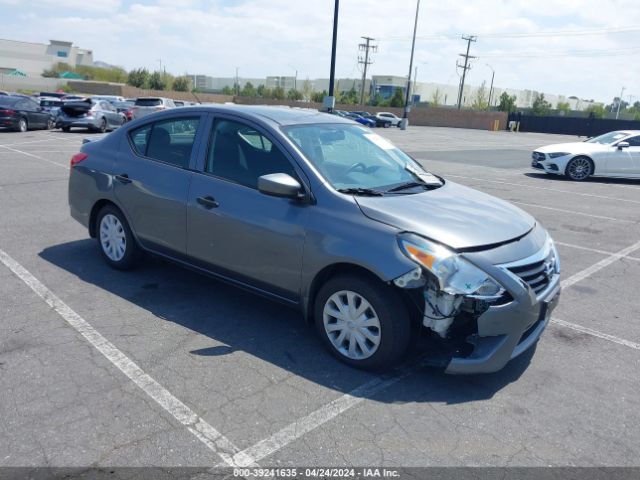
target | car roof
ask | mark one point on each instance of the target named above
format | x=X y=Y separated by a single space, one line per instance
x=280 y=115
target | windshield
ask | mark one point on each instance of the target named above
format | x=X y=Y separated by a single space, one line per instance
x=353 y=157
x=608 y=138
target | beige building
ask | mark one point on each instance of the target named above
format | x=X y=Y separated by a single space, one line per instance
x=33 y=58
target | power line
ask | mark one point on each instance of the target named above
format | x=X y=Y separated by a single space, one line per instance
x=365 y=47
x=557 y=33
x=573 y=53
x=466 y=65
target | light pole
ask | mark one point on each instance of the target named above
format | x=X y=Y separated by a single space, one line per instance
x=405 y=117
x=620 y=101
x=295 y=79
x=330 y=101
x=493 y=74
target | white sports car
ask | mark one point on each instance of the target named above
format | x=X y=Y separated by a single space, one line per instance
x=614 y=154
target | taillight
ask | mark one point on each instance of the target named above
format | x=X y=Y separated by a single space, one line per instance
x=8 y=112
x=77 y=158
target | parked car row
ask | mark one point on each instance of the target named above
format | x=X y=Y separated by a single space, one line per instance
x=98 y=113
x=380 y=119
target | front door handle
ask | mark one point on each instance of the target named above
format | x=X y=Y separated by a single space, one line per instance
x=208 y=202
x=123 y=178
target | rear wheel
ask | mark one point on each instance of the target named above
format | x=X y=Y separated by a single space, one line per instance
x=579 y=169
x=103 y=126
x=51 y=124
x=22 y=126
x=115 y=240
x=363 y=323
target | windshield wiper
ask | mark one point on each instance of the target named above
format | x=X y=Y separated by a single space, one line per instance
x=406 y=186
x=361 y=191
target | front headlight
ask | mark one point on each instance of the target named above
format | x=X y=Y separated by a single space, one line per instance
x=454 y=274
x=557 y=154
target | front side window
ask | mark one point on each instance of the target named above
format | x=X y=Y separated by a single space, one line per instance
x=633 y=141
x=353 y=157
x=241 y=154
x=169 y=141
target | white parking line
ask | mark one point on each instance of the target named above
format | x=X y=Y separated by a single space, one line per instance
x=208 y=435
x=587 y=272
x=594 y=250
x=596 y=333
x=572 y=212
x=592 y=195
x=35 y=156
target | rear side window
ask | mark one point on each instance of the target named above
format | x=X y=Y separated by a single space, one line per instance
x=148 y=102
x=169 y=141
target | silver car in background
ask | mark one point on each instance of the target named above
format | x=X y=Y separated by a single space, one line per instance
x=146 y=105
x=95 y=115
x=322 y=214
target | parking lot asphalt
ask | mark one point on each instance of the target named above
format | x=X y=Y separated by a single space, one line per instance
x=161 y=366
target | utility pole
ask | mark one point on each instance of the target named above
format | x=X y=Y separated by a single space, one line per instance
x=466 y=66
x=493 y=74
x=330 y=102
x=405 y=116
x=620 y=101
x=365 y=47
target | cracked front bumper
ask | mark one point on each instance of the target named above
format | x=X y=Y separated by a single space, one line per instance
x=506 y=331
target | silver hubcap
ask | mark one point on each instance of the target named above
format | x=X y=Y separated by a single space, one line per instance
x=23 y=126
x=579 y=168
x=112 y=237
x=352 y=325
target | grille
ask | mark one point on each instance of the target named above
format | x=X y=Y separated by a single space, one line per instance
x=537 y=274
x=538 y=156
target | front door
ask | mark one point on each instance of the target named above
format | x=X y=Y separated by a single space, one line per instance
x=151 y=181
x=625 y=162
x=233 y=229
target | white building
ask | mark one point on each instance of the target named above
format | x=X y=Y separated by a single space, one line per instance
x=33 y=58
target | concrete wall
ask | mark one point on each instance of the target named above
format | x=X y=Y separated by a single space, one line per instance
x=39 y=84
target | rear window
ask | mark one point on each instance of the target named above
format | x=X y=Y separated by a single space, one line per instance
x=148 y=102
x=8 y=101
x=168 y=141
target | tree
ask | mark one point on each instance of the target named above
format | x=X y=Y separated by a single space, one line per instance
x=182 y=84
x=294 y=94
x=307 y=90
x=540 y=106
x=398 y=99
x=227 y=90
x=318 y=97
x=248 y=90
x=507 y=103
x=349 y=97
x=597 y=110
x=138 y=77
x=436 y=98
x=156 y=81
x=563 y=107
x=260 y=91
x=613 y=106
x=278 y=93
x=480 y=99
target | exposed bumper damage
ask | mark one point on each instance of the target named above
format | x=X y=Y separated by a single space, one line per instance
x=494 y=329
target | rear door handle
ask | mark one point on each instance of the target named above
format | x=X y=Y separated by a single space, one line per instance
x=123 y=178
x=208 y=202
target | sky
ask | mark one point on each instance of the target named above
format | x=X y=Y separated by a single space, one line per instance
x=586 y=48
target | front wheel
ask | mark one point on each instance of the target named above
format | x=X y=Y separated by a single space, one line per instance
x=363 y=323
x=115 y=240
x=579 y=169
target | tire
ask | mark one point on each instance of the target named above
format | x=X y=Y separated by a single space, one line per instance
x=51 y=124
x=66 y=129
x=115 y=240
x=579 y=169
x=22 y=126
x=387 y=318
x=103 y=126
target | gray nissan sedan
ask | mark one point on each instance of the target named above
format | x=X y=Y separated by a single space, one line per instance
x=321 y=213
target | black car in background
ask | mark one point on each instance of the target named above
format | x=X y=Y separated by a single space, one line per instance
x=21 y=114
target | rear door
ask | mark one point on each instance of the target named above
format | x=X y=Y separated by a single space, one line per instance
x=36 y=117
x=232 y=228
x=152 y=177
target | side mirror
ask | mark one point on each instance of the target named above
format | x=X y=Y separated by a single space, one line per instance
x=280 y=185
x=622 y=145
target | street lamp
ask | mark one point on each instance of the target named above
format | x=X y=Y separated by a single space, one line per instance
x=405 y=117
x=329 y=101
x=295 y=79
x=620 y=101
x=493 y=74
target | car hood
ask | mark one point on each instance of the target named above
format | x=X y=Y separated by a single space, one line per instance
x=574 y=148
x=453 y=214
